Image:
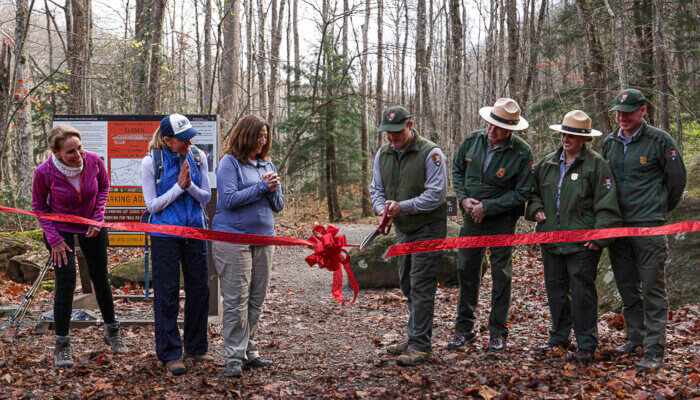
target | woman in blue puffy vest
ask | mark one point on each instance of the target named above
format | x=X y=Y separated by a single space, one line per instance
x=176 y=189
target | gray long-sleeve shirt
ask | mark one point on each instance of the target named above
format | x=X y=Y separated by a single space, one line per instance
x=435 y=186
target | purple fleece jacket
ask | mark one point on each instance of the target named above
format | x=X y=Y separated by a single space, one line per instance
x=53 y=193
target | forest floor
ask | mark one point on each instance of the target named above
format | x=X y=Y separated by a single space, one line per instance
x=321 y=349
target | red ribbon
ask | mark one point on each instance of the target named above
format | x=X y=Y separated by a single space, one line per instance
x=327 y=247
x=533 y=238
x=329 y=254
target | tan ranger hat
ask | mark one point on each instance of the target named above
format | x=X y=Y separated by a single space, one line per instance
x=576 y=122
x=505 y=113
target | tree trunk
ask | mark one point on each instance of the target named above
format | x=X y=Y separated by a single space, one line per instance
x=422 y=78
x=250 y=53
x=513 y=50
x=207 y=81
x=596 y=78
x=366 y=156
x=260 y=58
x=642 y=18
x=77 y=40
x=660 y=64
x=276 y=22
x=534 y=52
x=230 y=79
x=455 y=67
x=297 y=59
x=23 y=115
x=198 y=43
x=380 y=61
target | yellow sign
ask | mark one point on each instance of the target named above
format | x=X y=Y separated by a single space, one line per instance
x=122 y=199
x=126 y=239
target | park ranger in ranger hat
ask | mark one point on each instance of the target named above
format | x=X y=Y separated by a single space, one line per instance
x=573 y=190
x=492 y=175
x=651 y=176
x=409 y=183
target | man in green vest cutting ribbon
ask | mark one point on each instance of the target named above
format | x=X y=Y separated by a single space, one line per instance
x=492 y=176
x=409 y=182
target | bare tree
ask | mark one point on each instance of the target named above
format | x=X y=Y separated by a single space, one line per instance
x=260 y=56
x=276 y=22
x=366 y=156
x=660 y=66
x=230 y=78
x=455 y=72
x=513 y=50
x=380 y=60
x=207 y=81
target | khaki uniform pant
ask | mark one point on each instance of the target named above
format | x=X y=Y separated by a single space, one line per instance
x=245 y=274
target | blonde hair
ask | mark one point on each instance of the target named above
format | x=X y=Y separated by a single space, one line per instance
x=157 y=142
x=59 y=133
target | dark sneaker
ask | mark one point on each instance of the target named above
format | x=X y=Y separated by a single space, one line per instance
x=412 y=358
x=496 y=345
x=461 y=339
x=234 y=369
x=175 y=367
x=547 y=347
x=198 y=357
x=397 y=348
x=583 y=356
x=650 y=363
x=627 y=348
x=63 y=353
x=258 y=363
x=113 y=338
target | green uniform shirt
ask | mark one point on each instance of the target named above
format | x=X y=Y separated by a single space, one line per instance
x=506 y=183
x=650 y=176
x=588 y=198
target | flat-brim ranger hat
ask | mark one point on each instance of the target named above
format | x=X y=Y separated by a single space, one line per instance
x=629 y=100
x=177 y=126
x=394 y=119
x=505 y=113
x=578 y=123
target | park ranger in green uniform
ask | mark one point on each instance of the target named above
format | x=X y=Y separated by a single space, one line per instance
x=410 y=182
x=573 y=190
x=492 y=175
x=650 y=177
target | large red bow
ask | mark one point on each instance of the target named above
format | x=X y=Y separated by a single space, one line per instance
x=329 y=254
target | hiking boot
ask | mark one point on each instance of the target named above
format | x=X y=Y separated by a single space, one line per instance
x=627 y=348
x=62 y=353
x=496 y=345
x=175 y=367
x=547 y=347
x=258 y=363
x=461 y=339
x=206 y=357
x=113 y=338
x=583 y=356
x=397 y=348
x=650 y=363
x=412 y=358
x=233 y=369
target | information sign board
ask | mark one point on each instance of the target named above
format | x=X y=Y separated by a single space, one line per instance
x=121 y=141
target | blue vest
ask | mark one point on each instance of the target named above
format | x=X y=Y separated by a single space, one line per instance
x=185 y=210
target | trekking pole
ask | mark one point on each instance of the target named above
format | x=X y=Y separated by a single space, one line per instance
x=17 y=317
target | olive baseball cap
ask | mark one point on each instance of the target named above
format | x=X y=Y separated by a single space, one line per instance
x=394 y=119
x=629 y=100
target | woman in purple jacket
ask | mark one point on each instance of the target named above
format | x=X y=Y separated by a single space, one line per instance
x=75 y=182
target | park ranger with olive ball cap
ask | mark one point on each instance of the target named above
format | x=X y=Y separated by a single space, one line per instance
x=410 y=182
x=651 y=176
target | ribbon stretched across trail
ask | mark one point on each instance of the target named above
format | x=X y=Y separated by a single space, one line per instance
x=535 y=238
x=326 y=244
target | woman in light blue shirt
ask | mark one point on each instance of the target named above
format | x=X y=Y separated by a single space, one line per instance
x=249 y=192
